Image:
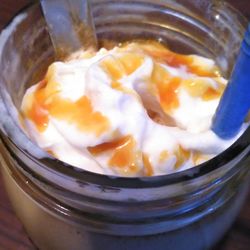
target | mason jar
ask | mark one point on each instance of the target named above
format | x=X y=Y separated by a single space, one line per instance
x=65 y=208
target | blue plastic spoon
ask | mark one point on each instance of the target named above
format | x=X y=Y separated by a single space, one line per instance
x=235 y=102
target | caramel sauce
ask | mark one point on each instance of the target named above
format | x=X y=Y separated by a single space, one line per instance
x=199 y=88
x=104 y=147
x=199 y=158
x=38 y=115
x=167 y=87
x=47 y=102
x=122 y=66
x=131 y=62
x=148 y=168
x=52 y=153
x=125 y=157
x=163 y=156
x=36 y=111
x=211 y=94
x=168 y=95
x=161 y=54
x=195 y=87
x=196 y=157
x=114 y=68
x=80 y=113
x=160 y=75
x=182 y=156
x=116 y=85
x=200 y=71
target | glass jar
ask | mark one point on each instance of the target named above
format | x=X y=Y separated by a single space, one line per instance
x=64 y=208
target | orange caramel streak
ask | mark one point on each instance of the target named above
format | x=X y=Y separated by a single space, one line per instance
x=196 y=157
x=124 y=154
x=163 y=156
x=162 y=54
x=80 y=113
x=182 y=155
x=46 y=102
x=167 y=87
x=113 y=68
x=37 y=111
x=199 y=88
x=148 y=168
x=211 y=94
x=118 y=67
x=131 y=62
x=104 y=147
x=169 y=94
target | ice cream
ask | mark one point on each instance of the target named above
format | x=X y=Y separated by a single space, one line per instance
x=135 y=110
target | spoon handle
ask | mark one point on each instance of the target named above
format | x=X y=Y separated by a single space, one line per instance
x=70 y=25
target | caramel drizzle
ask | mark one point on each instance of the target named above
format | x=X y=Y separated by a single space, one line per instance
x=118 y=67
x=163 y=156
x=161 y=54
x=148 y=168
x=167 y=88
x=47 y=102
x=182 y=156
x=199 y=88
x=124 y=158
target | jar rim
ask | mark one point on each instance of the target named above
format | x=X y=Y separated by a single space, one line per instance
x=242 y=144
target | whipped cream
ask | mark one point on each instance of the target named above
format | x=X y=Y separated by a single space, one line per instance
x=135 y=110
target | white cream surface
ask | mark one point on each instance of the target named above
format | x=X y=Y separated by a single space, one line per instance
x=128 y=140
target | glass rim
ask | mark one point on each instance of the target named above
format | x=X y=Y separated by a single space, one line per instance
x=57 y=167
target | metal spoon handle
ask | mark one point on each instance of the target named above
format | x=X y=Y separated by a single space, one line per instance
x=70 y=24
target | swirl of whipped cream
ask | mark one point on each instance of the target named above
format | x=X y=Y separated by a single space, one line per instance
x=135 y=110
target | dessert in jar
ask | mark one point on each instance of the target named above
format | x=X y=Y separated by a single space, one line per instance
x=66 y=207
x=135 y=110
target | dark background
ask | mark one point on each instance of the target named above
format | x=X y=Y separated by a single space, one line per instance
x=12 y=235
